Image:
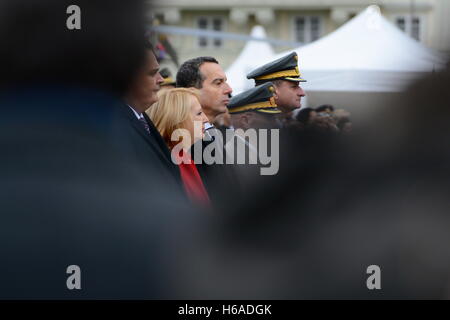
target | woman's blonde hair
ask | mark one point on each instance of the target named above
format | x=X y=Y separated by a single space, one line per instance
x=171 y=110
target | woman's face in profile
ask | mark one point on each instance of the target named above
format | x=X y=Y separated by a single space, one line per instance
x=197 y=121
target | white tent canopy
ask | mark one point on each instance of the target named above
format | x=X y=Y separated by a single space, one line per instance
x=254 y=52
x=367 y=54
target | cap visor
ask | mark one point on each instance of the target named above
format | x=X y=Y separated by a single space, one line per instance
x=270 y=111
x=294 y=79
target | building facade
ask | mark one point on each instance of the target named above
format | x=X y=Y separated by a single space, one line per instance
x=301 y=21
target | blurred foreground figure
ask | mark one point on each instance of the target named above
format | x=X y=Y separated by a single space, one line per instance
x=69 y=194
x=342 y=204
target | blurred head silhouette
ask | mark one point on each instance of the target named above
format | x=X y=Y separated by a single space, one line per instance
x=37 y=46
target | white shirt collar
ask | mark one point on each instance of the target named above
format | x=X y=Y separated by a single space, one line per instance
x=138 y=115
x=208 y=126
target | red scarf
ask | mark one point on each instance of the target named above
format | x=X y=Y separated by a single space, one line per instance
x=192 y=181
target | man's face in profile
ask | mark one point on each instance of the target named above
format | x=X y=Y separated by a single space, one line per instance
x=264 y=121
x=143 y=92
x=255 y=120
x=288 y=95
x=215 y=90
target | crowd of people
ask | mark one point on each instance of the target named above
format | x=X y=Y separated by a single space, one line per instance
x=208 y=99
x=105 y=166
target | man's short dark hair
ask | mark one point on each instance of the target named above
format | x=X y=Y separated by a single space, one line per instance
x=189 y=74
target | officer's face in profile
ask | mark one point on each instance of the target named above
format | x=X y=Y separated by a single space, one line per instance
x=143 y=92
x=288 y=95
x=215 y=90
x=265 y=121
x=255 y=120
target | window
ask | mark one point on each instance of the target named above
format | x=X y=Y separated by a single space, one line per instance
x=415 y=28
x=401 y=24
x=212 y=24
x=410 y=25
x=307 y=28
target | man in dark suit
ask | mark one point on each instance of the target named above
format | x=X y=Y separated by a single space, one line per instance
x=206 y=75
x=139 y=136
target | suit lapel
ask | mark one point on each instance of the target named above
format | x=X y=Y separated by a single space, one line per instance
x=151 y=139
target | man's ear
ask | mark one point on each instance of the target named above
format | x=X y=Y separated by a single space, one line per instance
x=275 y=92
x=242 y=120
x=246 y=120
x=236 y=120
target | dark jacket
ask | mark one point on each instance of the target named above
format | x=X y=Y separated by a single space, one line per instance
x=221 y=180
x=148 y=149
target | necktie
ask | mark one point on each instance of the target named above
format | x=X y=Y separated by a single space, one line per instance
x=145 y=124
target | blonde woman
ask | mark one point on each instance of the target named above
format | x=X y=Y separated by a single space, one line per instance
x=179 y=118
